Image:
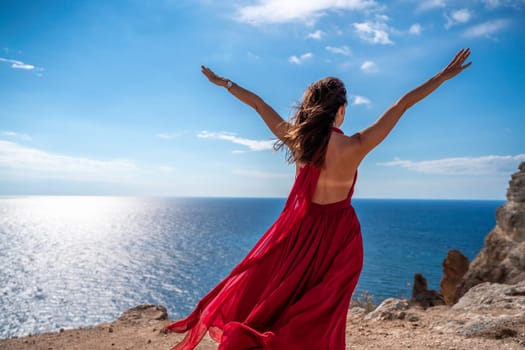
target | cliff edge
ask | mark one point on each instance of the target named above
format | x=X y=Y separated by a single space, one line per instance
x=502 y=258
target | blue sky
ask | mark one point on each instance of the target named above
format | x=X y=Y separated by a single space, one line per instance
x=107 y=98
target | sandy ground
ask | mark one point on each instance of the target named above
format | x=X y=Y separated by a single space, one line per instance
x=360 y=335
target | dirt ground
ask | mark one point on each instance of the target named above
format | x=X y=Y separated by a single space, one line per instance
x=418 y=333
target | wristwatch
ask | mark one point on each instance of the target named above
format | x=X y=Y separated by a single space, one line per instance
x=229 y=84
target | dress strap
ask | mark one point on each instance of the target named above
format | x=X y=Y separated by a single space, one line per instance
x=337 y=130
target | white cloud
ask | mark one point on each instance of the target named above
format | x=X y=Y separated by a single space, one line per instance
x=369 y=67
x=279 y=11
x=15 y=135
x=415 y=29
x=486 y=28
x=458 y=17
x=462 y=15
x=426 y=5
x=483 y=165
x=30 y=162
x=17 y=64
x=374 y=32
x=342 y=50
x=360 y=100
x=317 y=35
x=492 y=4
x=300 y=59
x=254 y=145
x=260 y=174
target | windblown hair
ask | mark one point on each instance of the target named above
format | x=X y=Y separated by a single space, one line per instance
x=309 y=131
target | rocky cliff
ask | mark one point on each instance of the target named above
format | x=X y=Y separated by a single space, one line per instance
x=502 y=259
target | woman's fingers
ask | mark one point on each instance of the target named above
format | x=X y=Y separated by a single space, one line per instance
x=465 y=66
x=463 y=58
x=465 y=55
x=459 y=60
x=212 y=77
x=457 y=65
x=460 y=57
x=207 y=72
x=457 y=57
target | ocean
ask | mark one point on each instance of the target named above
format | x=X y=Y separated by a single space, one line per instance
x=68 y=262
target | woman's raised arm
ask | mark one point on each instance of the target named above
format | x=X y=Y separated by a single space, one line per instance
x=273 y=120
x=374 y=134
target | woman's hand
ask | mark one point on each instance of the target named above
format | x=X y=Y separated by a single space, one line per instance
x=456 y=66
x=376 y=133
x=273 y=120
x=212 y=77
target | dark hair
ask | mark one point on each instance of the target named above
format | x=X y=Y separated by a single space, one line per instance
x=309 y=131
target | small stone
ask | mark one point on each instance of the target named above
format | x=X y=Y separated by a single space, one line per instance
x=110 y=329
x=149 y=341
x=61 y=330
x=389 y=309
x=146 y=312
x=413 y=318
x=357 y=310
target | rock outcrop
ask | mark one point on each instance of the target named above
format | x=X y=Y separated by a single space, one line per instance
x=494 y=296
x=502 y=259
x=490 y=310
x=145 y=312
x=455 y=266
x=389 y=309
x=422 y=296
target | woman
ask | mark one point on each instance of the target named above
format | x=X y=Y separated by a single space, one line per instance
x=293 y=289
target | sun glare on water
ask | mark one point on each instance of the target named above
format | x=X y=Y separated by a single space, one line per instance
x=72 y=208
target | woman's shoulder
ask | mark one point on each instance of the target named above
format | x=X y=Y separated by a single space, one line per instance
x=347 y=142
x=348 y=148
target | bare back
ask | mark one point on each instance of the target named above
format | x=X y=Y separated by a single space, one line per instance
x=338 y=173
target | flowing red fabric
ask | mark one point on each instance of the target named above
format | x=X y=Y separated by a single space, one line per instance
x=293 y=289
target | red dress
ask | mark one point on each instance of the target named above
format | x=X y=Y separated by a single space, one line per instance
x=293 y=289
